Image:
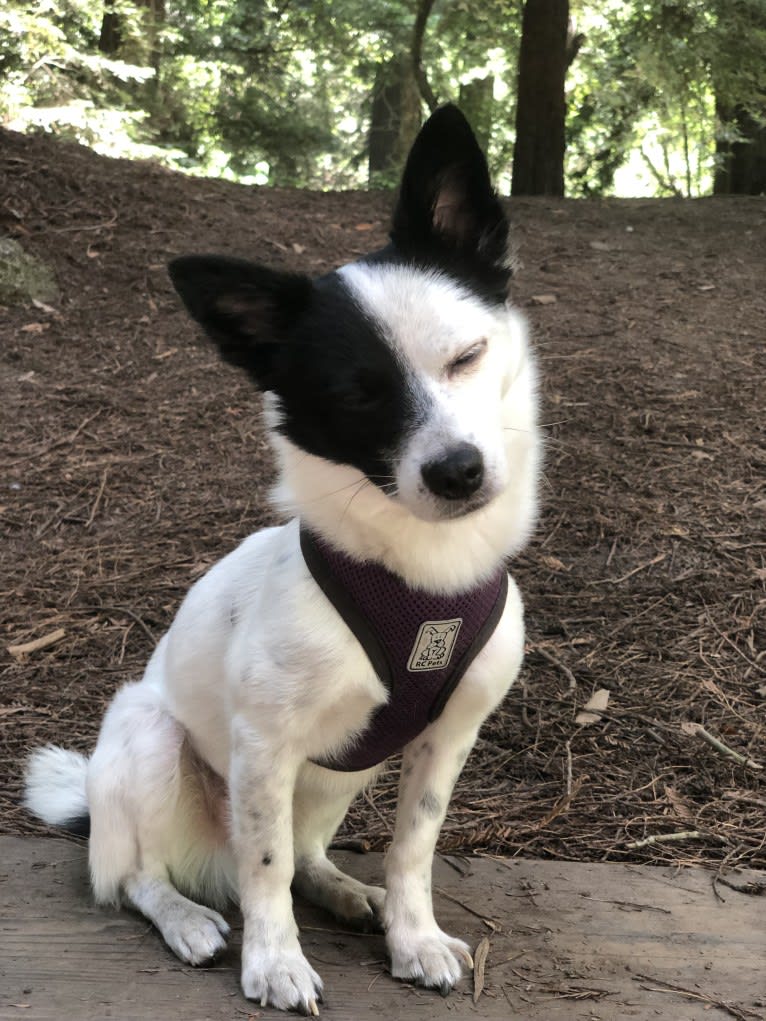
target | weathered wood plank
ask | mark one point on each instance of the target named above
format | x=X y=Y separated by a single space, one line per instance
x=571 y=941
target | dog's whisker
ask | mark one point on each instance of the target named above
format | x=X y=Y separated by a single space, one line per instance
x=365 y=482
x=334 y=492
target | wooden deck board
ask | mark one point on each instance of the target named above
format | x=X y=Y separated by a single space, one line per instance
x=572 y=941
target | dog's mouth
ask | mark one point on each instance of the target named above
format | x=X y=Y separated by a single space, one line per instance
x=437 y=510
x=450 y=510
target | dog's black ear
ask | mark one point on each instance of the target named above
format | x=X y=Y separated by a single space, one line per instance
x=447 y=207
x=246 y=309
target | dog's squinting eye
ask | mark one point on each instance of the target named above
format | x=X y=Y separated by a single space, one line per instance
x=467 y=358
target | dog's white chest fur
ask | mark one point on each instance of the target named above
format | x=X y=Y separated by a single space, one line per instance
x=261 y=630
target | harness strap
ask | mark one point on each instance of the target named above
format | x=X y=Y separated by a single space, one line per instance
x=419 y=644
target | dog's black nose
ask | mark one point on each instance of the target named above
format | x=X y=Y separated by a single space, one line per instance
x=457 y=474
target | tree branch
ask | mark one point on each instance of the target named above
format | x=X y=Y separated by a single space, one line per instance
x=418 y=33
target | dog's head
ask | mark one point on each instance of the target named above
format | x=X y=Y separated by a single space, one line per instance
x=396 y=365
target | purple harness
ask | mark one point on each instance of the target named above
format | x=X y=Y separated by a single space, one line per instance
x=418 y=643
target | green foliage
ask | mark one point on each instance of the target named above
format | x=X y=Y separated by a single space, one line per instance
x=647 y=83
x=280 y=91
x=55 y=79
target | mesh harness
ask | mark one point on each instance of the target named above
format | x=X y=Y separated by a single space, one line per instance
x=419 y=644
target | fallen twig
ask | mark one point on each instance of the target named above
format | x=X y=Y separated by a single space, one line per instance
x=755 y=888
x=97 y=501
x=39 y=643
x=561 y=805
x=742 y=1013
x=559 y=666
x=661 y=838
x=624 y=577
x=697 y=730
x=490 y=923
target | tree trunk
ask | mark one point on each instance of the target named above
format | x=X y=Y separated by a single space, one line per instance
x=476 y=103
x=394 y=121
x=110 y=38
x=112 y=34
x=418 y=34
x=538 y=154
x=740 y=165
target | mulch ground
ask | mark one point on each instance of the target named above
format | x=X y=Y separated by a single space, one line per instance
x=132 y=460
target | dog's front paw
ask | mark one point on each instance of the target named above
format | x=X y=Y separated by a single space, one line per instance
x=282 y=979
x=432 y=959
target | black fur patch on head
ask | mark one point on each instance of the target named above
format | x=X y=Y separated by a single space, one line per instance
x=343 y=395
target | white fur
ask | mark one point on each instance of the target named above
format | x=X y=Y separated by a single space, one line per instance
x=54 y=786
x=258 y=675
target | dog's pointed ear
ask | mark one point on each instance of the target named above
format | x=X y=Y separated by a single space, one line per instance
x=246 y=309
x=447 y=205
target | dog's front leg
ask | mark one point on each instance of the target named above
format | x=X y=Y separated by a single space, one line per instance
x=263 y=776
x=419 y=950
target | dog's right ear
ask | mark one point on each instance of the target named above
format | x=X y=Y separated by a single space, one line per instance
x=247 y=310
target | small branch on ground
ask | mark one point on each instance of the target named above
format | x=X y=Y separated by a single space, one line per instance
x=38 y=643
x=697 y=730
x=661 y=838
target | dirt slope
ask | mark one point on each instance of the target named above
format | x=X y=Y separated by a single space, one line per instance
x=132 y=461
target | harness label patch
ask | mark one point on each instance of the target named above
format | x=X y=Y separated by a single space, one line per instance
x=434 y=644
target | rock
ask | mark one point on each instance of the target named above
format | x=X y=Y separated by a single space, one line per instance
x=24 y=278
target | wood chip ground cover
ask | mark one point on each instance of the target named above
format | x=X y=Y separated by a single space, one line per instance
x=132 y=460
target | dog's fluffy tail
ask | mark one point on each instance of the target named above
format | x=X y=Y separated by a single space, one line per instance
x=54 y=788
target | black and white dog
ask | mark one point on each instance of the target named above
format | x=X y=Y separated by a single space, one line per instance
x=400 y=397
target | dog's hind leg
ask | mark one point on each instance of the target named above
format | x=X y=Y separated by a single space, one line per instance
x=321 y=801
x=193 y=932
x=154 y=824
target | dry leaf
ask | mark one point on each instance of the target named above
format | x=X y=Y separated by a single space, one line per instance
x=479 y=964
x=678 y=804
x=554 y=564
x=591 y=711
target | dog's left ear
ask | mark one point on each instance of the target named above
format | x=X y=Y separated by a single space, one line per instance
x=246 y=309
x=447 y=207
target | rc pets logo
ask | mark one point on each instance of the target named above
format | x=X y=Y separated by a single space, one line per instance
x=434 y=644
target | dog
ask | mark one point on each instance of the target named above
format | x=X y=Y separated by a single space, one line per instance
x=400 y=397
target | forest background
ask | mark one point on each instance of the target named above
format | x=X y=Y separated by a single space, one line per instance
x=623 y=97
